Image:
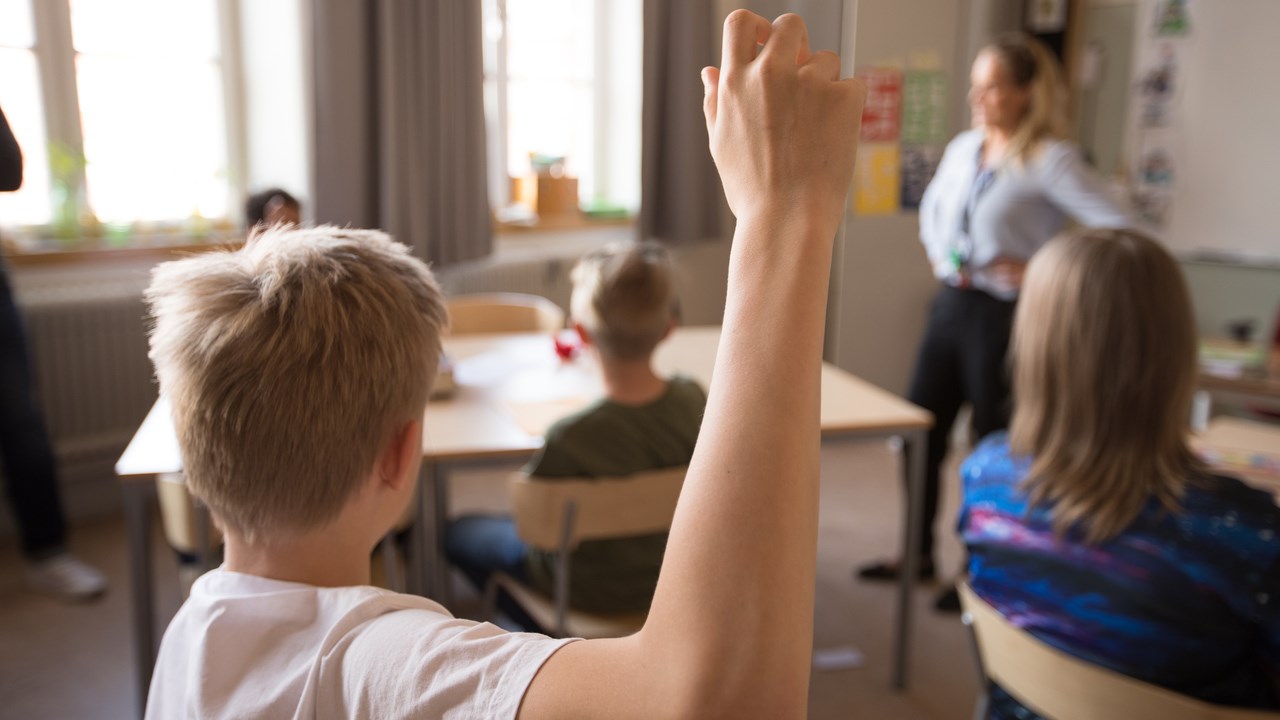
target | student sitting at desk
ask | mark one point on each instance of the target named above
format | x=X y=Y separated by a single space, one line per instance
x=1091 y=524
x=298 y=370
x=623 y=305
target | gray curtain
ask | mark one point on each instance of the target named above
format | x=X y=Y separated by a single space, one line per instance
x=681 y=200
x=399 y=123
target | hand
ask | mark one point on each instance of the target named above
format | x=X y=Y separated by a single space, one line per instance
x=783 y=127
x=1007 y=272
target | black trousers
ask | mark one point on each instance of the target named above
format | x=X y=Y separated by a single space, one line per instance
x=962 y=360
x=24 y=444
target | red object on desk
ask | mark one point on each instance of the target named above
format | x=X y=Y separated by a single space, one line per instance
x=565 y=349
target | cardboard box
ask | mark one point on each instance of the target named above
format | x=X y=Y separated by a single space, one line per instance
x=546 y=195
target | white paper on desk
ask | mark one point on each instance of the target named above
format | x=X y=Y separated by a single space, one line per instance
x=837 y=658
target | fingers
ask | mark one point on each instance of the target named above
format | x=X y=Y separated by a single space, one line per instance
x=743 y=31
x=710 y=95
x=824 y=64
x=788 y=40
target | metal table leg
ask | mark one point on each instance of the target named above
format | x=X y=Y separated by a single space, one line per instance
x=138 y=517
x=913 y=459
x=439 y=565
x=416 y=554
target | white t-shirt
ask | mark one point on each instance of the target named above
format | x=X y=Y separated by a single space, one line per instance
x=249 y=647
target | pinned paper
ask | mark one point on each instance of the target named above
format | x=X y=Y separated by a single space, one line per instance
x=877 y=180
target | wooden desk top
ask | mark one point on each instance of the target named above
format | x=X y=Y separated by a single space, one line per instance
x=1248 y=384
x=1245 y=448
x=511 y=387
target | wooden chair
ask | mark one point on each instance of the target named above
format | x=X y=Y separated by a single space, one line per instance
x=1057 y=685
x=503 y=313
x=557 y=515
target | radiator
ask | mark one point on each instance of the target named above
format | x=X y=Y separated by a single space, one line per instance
x=89 y=355
x=548 y=277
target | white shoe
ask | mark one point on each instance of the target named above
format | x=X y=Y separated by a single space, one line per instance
x=66 y=578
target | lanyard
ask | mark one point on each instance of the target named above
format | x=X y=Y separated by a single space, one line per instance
x=962 y=246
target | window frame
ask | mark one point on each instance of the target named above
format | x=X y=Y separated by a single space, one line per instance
x=55 y=54
x=498 y=144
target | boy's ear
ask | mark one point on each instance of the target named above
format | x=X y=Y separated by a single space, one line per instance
x=583 y=333
x=397 y=460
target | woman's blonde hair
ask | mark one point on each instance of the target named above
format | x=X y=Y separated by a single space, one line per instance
x=1104 y=368
x=1032 y=67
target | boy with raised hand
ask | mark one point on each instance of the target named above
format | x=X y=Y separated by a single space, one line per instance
x=298 y=370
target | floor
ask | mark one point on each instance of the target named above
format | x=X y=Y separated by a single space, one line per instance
x=59 y=661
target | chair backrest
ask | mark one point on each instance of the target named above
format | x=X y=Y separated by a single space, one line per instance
x=181 y=517
x=503 y=313
x=1060 y=686
x=602 y=508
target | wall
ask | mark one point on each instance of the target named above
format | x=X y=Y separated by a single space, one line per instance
x=883 y=282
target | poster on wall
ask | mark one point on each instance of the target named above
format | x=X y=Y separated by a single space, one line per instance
x=877 y=179
x=1173 y=18
x=1158 y=85
x=924 y=107
x=919 y=163
x=882 y=113
x=924 y=131
x=1046 y=16
x=1156 y=95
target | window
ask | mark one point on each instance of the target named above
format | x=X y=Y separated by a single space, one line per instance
x=121 y=110
x=563 y=79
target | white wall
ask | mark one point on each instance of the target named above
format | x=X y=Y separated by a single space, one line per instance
x=883 y=282
x=1226 y=148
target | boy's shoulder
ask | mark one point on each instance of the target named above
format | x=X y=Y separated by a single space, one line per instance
x=239 y=634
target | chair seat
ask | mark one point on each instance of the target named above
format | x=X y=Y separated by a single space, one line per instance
x=577 y=624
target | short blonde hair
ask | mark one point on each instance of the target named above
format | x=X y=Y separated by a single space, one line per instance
x=623 y=295
x=1033 y=67
x=1104 y=368
x=289 y=364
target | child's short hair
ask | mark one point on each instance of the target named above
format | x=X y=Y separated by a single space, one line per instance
x=289 y=363
x=623 y=296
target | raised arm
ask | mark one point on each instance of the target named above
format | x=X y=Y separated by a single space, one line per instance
x=730 y=632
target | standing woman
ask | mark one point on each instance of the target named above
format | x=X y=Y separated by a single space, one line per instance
x=1002 y=190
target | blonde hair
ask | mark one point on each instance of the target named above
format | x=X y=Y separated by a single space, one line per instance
x=1104 y=368
x=623 y=295
x=289 y=364
x=1032 y=67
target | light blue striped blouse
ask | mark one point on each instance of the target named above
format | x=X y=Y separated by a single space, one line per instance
x=1021 y=209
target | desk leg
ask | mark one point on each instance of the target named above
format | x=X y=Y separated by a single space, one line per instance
x=417 y=555
x=440 y=564
x=139 y=520
x=913 y=459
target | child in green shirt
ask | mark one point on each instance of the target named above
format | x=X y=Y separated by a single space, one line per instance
x=623 y=305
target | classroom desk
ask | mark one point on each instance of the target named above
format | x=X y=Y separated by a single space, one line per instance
x=511 y=387
x=1247 y=449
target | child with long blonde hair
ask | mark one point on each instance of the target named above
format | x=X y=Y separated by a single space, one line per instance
x=1092 y=524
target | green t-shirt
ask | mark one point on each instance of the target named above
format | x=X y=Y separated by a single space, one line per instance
x=608 y=439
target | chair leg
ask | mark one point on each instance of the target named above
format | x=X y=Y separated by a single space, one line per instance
x=980 y=707
x=562 y=570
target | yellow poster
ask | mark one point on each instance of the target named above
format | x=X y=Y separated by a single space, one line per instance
x=877 y=179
